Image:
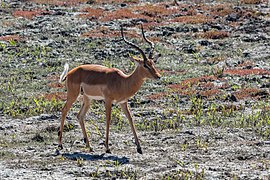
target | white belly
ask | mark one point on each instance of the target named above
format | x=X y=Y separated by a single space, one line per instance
x=95 y=92
x=102 y=98
x=96 y=97
x=119 y=102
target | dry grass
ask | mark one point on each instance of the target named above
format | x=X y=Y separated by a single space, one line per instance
x=55 y=96
x=124 y=13
x=189 y=83
x=253 y=93
x=155 y=10
x=151 y=25
x=220 y=10
x=10 y=37
x=92 y=13
x=8 y=23
x=195 y=19
x=59 y=2
x=246 y=64
x=157 y=96
x=116 y=1
x=244 y=72
x=104 y=32
x=101 y=32
x=209 y=93
x=215 y=60
x=202 y=86
x=214 y=34
x=29 y=14
x=56 y=85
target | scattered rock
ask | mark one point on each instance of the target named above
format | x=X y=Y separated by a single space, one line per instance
x=233 y=17
x=231 y=97
x=266 y=85
x=48 y=116
x=190 y=49
x=38 y=138
x=204 y=42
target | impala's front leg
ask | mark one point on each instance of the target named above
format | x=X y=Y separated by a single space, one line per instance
x=108 y=106
x=126 y=110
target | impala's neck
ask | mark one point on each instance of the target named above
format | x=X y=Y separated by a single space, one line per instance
x=135 y=79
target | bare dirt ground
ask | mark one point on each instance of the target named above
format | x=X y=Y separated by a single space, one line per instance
x=207 y=118
x=191 y=152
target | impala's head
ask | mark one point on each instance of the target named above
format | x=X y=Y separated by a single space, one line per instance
x=146 y=64
x=147 y=68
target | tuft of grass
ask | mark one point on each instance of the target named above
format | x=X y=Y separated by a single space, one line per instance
x=80 y=162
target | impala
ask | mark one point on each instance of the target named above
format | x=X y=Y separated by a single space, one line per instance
x=97 y=82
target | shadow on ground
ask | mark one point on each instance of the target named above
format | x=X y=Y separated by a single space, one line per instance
x=94 y=157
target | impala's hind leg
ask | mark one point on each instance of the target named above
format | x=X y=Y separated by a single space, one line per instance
x=81 y=115
x=72 y=95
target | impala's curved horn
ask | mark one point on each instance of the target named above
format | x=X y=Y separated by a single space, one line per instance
x=133 y=45
x=150 y=43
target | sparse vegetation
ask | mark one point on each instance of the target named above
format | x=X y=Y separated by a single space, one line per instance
x=208 y=113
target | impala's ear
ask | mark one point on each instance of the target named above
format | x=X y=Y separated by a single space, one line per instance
x=155 y=59
x=134 y=59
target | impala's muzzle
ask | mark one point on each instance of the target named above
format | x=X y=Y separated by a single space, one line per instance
x=158 y=76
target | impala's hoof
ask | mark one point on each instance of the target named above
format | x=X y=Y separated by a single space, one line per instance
x=57 y=152
x=91 y=149
x=139 y=150
x=60 y=147
x=108 y=151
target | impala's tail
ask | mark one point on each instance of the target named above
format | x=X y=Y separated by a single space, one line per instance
x=64 y=73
